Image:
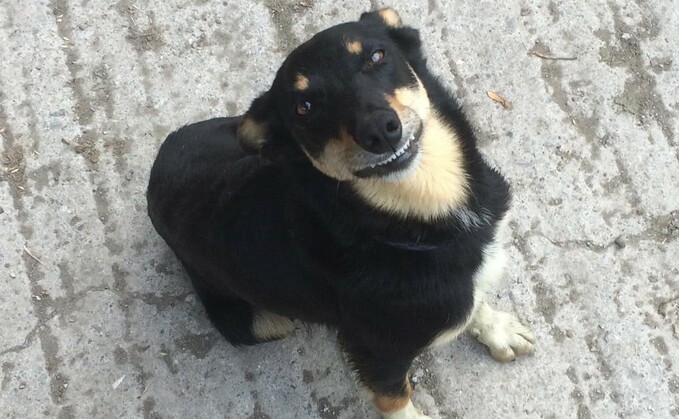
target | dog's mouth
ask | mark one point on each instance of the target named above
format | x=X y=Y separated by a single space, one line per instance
x=397 y=161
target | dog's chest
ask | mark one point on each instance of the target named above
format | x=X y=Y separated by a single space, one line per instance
x=485 y=275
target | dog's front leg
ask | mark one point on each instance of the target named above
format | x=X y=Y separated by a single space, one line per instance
x=386 y=378
x=504 y=335
x=397 y=408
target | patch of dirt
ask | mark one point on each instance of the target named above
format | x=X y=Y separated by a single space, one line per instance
x=639 y=97
x=284 y=16
x=86 y=148
x=14 y=164
x=149 y=38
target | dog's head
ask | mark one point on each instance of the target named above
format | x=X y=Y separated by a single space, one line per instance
x=348 y=98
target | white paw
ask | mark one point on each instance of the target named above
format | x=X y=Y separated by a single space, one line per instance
x=502 y=333
x=408 y=412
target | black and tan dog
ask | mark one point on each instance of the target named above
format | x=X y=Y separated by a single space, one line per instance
x=351 y=194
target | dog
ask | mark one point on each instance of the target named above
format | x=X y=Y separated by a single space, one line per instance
x=351 y=194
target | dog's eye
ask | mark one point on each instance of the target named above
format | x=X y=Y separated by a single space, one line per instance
x=303 y=108
x=376 y=56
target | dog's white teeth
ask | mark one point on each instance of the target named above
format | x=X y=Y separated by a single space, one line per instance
x=404 y=148
x=396 y=154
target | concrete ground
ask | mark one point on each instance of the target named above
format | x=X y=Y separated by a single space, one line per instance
x=98 y=320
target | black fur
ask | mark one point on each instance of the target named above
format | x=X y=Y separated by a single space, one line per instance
x=269 y=231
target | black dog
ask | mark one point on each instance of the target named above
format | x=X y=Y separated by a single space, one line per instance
x=351 y=194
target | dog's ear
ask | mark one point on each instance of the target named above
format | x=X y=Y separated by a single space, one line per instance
x=261 y=132
x=254 y=130
x=386 y=16
x=407 y=38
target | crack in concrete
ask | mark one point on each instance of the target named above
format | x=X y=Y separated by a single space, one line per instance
x=28 y=340
x=48 y=341
x=661 y=229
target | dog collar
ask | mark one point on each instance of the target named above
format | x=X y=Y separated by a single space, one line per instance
x=420 y=247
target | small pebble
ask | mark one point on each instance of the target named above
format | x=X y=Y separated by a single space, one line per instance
x=128 y=175
x=22 y=386
x=620 y=242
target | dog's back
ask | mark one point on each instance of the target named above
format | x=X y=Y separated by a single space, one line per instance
x=198 y=169
x=225 y=214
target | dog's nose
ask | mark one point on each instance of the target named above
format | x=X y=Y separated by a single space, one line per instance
x=380 y=132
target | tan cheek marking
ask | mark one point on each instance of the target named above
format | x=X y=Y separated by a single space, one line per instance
x=413 y=98
x=354 y=47
x=251 y=133
x=394 y=103
x=345 y=138
x=301 y=82
x=333 y=159
x=390 y=17
x=390 y=404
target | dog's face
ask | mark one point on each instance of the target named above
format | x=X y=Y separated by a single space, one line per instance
x=349 y=99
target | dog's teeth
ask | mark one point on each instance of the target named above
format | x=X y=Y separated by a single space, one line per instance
x=398 y=153
x=403 y=149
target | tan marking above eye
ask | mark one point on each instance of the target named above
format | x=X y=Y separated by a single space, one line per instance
x=354 y=47
x=301 y=82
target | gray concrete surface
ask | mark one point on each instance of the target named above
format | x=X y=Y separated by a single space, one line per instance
x=97 y=320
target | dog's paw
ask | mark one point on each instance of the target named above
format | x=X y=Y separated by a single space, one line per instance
x=502 y=333
x=408 y=412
